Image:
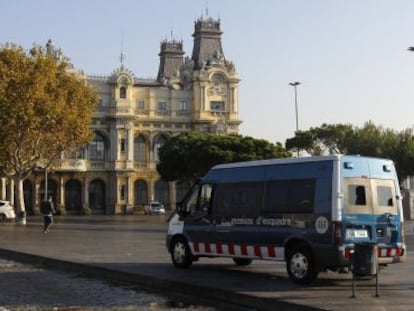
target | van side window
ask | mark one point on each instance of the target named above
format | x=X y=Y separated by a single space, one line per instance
x=241 y=199
x=290 y=196
x=205 y=198
x=190 y=201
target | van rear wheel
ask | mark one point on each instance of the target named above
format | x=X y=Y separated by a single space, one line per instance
x=242 y=261
x=300 y=265
x=181 y=253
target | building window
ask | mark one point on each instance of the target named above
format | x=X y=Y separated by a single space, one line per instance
x=140 y=192
x=122 y=192
x=217 y=106
x=96 y=149
x=161 y=192
x=158 y=144
x=123 y=145
x=162 y=106
x=122 y=92
x=141 y=105
x=182 y=105
x=218 y=79
x=140 y=149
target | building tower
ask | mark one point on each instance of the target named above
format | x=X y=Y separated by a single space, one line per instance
x=214 y=81
x=171 y=58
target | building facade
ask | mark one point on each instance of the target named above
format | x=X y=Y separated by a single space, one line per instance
x=117 y=173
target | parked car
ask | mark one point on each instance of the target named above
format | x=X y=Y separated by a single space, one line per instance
x=6 y=211
x=154 y=208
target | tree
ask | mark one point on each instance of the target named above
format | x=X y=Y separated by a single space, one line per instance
x=45 y=110
x=190 y=155
x=329 y=138
x=370 y=140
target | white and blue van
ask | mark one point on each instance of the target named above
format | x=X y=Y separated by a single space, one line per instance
x=309 y=212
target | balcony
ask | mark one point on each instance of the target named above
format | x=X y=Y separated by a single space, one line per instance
x=119 y=110
x=71 y=165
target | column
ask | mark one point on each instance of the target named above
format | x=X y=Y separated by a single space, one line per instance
x=85 y=196
x=151 y=189
x=130 y=145
x=130 y=194
x=37 y=193
x=113 y=151
x=3 y=188
x=61 y=192
x=11 y=191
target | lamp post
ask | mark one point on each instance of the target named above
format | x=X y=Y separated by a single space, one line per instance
x=295 y=86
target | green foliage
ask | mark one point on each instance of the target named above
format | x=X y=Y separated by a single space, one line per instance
x=45 y=109
x=190 y=155
x=369 y=140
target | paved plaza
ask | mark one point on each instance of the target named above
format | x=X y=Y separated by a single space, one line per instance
x=132 y=248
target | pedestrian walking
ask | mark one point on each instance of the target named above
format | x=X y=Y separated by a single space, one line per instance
x=47 y=209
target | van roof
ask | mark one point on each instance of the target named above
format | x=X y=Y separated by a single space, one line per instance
x=278 y=161
x=336 y=157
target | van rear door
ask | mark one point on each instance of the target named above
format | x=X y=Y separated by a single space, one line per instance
x=371 y=212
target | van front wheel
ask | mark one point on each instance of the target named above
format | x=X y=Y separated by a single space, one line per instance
x=181 y=253
x=300 y=265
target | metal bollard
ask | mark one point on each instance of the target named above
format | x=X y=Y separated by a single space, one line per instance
x=364 y=262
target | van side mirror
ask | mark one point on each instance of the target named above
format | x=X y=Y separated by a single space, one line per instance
x=179 y=208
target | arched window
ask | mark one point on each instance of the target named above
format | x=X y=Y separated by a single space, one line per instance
x=140 y=150
x=122 y=92
x=159 y=142
x=140 y=192
x=97 y=196
x=161 y=192
x=96 y=149
x=73 y=193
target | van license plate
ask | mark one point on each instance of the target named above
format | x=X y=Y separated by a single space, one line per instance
x=356 y=233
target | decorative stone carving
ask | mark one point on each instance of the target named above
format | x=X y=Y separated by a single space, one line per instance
x=186 y=72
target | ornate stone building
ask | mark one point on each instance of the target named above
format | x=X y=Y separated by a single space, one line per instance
x=117 y=172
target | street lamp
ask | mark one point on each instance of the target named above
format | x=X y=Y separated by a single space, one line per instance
x=295 y=85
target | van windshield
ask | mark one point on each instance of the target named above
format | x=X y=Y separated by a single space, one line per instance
x=369 y=196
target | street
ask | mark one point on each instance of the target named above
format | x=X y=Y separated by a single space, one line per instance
x=132 y=248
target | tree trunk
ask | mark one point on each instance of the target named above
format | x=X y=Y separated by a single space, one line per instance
x=19 y=195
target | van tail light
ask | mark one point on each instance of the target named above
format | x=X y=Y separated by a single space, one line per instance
x=400 y=252
x=337 y=233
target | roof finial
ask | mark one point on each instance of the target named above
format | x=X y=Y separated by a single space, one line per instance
x=171 y=30
x=122 y=56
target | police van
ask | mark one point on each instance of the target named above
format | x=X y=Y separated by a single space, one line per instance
x=309 y=212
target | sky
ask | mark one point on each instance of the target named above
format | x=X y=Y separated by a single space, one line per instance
x=350 y=57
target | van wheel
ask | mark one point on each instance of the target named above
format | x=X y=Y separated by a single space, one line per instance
x=300 y=265
x=2 y=218
x=181 y=253
x=242 y=261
